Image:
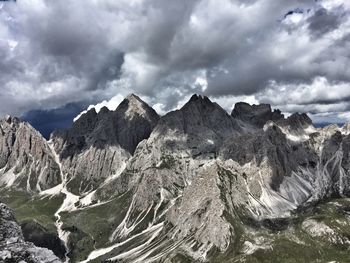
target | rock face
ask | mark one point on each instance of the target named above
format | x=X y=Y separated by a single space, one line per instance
x=99 y=144
x=26 y=160
x=13 y=248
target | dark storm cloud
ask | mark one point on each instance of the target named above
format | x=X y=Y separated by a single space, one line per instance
x=324 y=21
x=58 y=52
x=46 y=121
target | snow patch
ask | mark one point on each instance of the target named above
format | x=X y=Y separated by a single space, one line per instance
x=210 y=141
x=56 y=190
x=68 y=203
x=156 y=229
x=88 y=199
x=249 y=248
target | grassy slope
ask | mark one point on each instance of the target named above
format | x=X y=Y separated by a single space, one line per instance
x=294 y=244
x=26 y=207
x=93 y=226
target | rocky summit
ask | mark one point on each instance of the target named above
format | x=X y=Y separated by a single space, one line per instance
x=195 y=185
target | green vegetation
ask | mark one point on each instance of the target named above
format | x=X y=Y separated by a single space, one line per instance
x=27 y=207
x=294 y=244
x=93 y=226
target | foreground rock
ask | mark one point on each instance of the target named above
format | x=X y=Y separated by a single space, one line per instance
x=13 y=248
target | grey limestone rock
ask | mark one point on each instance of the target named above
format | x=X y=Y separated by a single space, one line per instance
x=99 y=144
x=26 y=160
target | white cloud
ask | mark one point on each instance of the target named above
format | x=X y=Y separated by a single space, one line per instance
x=111 y=104
x=320 y=89
x=53 y=53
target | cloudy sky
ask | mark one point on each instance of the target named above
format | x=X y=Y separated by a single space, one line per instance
x=58 y=57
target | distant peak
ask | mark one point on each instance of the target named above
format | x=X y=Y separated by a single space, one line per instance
x=243 y=106
x=199 y=100
x=196 y=97
x=301 y=119
x=254 y=114
x=133 y=106
x=132 y=101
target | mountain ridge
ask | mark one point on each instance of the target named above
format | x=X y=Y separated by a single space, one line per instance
x=189 y=183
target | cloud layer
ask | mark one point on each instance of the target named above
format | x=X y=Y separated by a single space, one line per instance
x=290 y=53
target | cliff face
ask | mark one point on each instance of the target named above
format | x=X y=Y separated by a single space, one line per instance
x=13 y=248
x=26 y=161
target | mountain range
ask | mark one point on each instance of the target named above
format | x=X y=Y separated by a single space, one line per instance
x=195 y=185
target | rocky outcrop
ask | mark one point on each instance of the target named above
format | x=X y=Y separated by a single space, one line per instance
x=297 y=124
x=26 y=160
x=13 y=248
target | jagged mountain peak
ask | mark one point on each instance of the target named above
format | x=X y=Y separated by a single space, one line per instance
x=297 y=124
x=198 y=97
x=16 y=126
x=256 y=115
x=133 y=96
x=107 y=123
x=131 y=109
x=10 y=119
x=133 y=106
x=299 y=119
x=103 y=110
x=85 y=123
x=244 y=106
x=109 y=138
x=200 y=100
x=202 y=108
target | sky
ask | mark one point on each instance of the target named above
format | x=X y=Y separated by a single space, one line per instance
x=59 y=57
